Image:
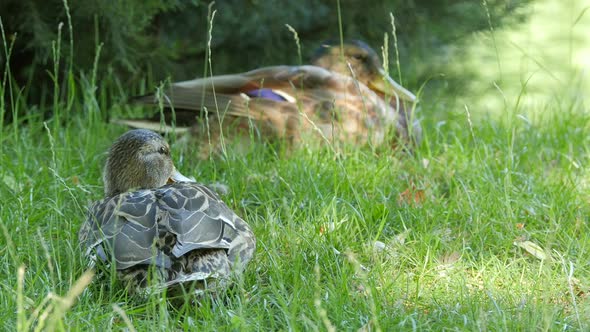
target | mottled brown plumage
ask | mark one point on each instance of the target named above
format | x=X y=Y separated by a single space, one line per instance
x=182 y=230
x=344 y=96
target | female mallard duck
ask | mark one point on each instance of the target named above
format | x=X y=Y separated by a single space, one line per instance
x=345 y=95
x=154 y=217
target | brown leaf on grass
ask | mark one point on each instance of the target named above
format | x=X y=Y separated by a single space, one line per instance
x=532 y=248
x=519 y=225
x=450 y=258
x=577 y=289
x=400 y=238
x=447 y=263
x=411 y=196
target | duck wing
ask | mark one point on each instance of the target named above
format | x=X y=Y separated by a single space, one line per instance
x=178 y=227
x=122 y=229
x=216 y=91
x=274 y=96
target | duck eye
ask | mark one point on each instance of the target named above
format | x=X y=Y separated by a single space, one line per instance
x=163 y=150
x=358 y=56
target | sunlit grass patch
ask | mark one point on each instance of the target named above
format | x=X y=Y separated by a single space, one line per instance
x=377 y=240
x=541 y=58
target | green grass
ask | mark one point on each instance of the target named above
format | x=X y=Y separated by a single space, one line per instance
x=449 y=261
x=483 y=183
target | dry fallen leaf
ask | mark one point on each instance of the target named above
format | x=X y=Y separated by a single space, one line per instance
x=401 y=237
x=532 y=248
x=519 y=225
x=447 y=262
x=577 y=288
x=450 y=258
x=411 y=196
x=379 y=246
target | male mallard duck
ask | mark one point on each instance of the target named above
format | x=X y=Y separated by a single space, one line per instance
x=345 y=95
x=153 y=216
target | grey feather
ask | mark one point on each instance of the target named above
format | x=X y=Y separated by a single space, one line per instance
x=129 y=225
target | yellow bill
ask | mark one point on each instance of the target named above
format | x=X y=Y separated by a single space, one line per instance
x=388 y=86
x=178 y=177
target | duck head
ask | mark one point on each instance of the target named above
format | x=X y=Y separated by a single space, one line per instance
x=365 y=64
x=139 y=159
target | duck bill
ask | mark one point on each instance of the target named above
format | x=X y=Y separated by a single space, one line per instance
x=384 y=84
x=178 y=177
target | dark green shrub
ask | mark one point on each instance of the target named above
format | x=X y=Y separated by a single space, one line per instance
x=152 y=40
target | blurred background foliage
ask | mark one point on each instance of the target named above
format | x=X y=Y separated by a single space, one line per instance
x=144 y=42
